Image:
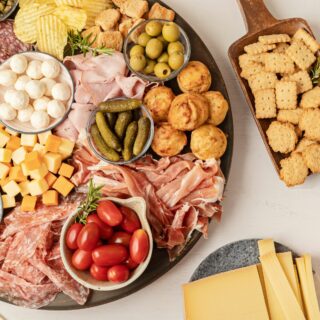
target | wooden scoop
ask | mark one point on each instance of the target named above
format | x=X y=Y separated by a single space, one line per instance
x=260 y=22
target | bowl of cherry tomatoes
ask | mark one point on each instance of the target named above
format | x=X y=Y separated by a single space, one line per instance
x=111 y=247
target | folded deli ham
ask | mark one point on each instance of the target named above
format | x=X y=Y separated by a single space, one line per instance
x=96 y=79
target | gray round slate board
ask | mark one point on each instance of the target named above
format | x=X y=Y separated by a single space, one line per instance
x=232 y=256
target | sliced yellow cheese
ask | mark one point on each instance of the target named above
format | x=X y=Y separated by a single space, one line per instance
x=266 y=246
x=8 y=201
x=299 y=288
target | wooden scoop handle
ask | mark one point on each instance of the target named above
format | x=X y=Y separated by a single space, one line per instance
x=256 y=15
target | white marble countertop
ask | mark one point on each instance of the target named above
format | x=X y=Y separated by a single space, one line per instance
x=257 y=204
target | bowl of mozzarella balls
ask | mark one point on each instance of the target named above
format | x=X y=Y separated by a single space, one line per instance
x=36 y=92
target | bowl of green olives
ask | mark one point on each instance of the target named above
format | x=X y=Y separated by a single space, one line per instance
x=157 y=50
x=6 y=8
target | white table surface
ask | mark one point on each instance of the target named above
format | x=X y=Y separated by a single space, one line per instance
x=257 y=204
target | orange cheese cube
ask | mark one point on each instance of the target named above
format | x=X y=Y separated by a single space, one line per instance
x=16 y=174
x=4 y=181
x=14 y=143
x=38 y=187
x=50 y=198
x=52 y=161
x=4 y=170
x=5 y=155
x=32 y=160
x=4 y=138
x=53 y=142
x=63 y=186
x=28 y=203
x=66 y=170
x=51 y=179
x=66 y=147
x=40 y=148
x=44 y=136
x=8 y=201
x=38 y=173
x=24 y=188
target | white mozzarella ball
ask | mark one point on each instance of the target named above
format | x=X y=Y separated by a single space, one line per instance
x=16 y=98
x=56 y=109
x=41 y=104
x=7 y=78
x=35 y=89
x=40 y=119
x=18 y=63
x=24 y=115
x=34 y=69
x=61 y=91
x=49 y=83
x=21 y=82
x=50 y=68
x=7 y=112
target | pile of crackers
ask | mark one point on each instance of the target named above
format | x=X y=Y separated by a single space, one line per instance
x=277 y=69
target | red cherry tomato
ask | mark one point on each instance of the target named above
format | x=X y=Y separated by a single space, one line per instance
x=130 y=222
x=121 y=237
x=109 y=213
x=119 y=273
x=131 y=264
x=88 y=237
x=110 y=255
x=105 y=230
x=139 y=246
x=82 y=260
x=72 y=235
x=99 y=273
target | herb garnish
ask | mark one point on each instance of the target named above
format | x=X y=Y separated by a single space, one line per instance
x=315 y=73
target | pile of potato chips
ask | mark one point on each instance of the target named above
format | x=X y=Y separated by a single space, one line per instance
x=47 y=22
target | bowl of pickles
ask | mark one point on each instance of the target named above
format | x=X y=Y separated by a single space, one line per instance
x=157 y=50
x=6 y=8
x=120 y=130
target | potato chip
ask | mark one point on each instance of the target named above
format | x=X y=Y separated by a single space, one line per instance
x=25 y=23
x=72 y=3
x=74 y=18
x=52 y=35
x=24 y=3
x=93 y=8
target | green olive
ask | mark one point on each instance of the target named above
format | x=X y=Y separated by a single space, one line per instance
x=154 y=48
x=138 y=62
x=171 y=32
x=164 y=58
x=143 y=39
x=175 y=47
x=136 y=50
x=149 y=67
x=176 y=60
x=162 y=70
x=153 y=28
x=164 y=42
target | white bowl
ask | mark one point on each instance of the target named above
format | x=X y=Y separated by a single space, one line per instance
x=64 y=76
x=139 y=206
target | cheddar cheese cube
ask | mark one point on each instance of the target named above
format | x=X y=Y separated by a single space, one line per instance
x=4 y=181
x=16 y=174
x=66 y=170
x=24 y=188
x=24 y=169
x=39 y=173
x=66 y=147
x=19 y=155
x=4 y=138
x=28 y=140
x=28 y=203
x=51 y=179
x=53 y=161
x=63 y=186
x=11 y=188
x=43 y=137
x=38 y=187
x=4 y=170
x=50 y=198
x=53 y=142
x=32 y=160
x=12 y=132
x=8 y=201
x=5 y=155
x=41 y=149
x=14 y=143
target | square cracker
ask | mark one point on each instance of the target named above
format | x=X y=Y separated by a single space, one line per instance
x=281 y=48
x=303 y=80
x=263 y=80
x=278 y=63
x=274 y=38
x=258 y=47
x=301 y=55
x=251 y=69
x=286 y=95
x=311 y=99
x=291 y=116
x=307 y=39
x=265 y=103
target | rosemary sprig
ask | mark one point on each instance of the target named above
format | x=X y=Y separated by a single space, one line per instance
x=77 y=43
x=90 y=204
x=315 y=73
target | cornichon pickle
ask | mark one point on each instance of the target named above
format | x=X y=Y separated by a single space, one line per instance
x=124 y=118
x=142 y=136
x=129 y=140
x=119 y=105
x=112 y=118
x=107 y=134
x=107 y=152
